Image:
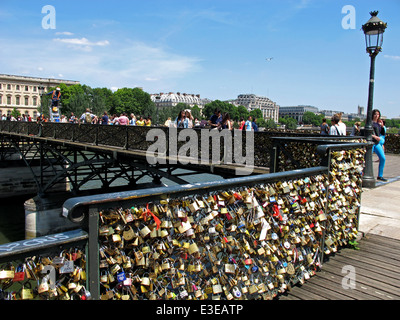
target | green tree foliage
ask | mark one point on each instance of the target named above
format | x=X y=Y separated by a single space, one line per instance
x=235 y=112
x=256 y=114
x=134 y=101
x=312 y=118
x=196 y=112
x=242 y=112
x=289 y=122
x=15 y=113
x=270 y=124
x=171 y=112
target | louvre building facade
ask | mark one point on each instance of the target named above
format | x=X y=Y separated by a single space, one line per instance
x=24 y=93
x=171 y=99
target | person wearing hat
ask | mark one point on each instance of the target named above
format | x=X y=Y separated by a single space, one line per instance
x=55 y=98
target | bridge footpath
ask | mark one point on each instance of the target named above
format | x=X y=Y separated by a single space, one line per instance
x=376 y=264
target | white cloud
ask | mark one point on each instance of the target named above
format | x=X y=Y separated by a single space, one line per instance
x=82 y=43
x=392 y=57
x=65 y=33
x=122 y=63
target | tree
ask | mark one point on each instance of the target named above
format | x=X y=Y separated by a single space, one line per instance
x=196 y=112
x=235 y=112
x=289 y=122
x=209 y=108
x=102 y=99
x=312 y=118
x=270 y=124
x=256 y=114
x=242 y=112
x=78 y=103
x=134 y=101
x=15 y=113
x=261 y=123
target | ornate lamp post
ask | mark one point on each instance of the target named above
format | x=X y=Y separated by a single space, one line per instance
x=41 y=92
x=373 y=30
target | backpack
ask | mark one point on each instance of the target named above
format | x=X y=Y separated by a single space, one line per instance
x=88 y=118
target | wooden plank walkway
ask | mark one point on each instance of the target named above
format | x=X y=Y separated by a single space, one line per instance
x=377 y=274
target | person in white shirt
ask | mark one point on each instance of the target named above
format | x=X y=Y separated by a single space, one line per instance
x=334 y=130
x=342 y=125
x=248 y=123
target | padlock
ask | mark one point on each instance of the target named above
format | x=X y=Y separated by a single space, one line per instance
x=128 y=233
x=7 y=272
x=104 y=276
x=67 y=267
x=144 y=231
x=236 y=292
x=44 y=285
x=193 y=248
x=216 y=288
x=145 y=281
x=165 y=265
x=26 y=291
x=184 y=226
x=19 y=274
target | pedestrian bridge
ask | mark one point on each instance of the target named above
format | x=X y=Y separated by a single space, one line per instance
x=263 y=233
x=81 y=154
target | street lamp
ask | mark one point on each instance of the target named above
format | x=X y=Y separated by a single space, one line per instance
x=41 y=92
x=373 y=30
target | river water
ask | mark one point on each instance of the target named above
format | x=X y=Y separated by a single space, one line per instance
x=12 y=211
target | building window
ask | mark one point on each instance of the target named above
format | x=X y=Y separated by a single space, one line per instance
x=26 y=88
x=1 y=100
x=34 y=89
x=17 y=100
x=8 y=86
x=0 y=85
x=8 y=100
x=34 y=101
x=26 y=101
x=17 y=87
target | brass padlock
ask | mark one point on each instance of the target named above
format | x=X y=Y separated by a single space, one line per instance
x=26 y=291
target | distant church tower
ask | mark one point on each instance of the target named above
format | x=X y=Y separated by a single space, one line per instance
x=360 y=110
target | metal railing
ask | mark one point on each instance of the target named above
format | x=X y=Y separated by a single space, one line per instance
x=326 y=205
x=134 y=137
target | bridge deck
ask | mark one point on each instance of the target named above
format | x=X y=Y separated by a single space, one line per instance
x=377 y=270
x=224 y=169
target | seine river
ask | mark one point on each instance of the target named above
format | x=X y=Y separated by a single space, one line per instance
x=12 y=212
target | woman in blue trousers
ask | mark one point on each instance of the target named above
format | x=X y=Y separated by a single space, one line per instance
x=378 y=137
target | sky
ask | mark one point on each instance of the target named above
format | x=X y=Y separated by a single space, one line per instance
x=218 y=49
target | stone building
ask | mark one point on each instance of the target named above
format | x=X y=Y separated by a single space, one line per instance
x=24 y=94
x=171 y=99
x=296 y=112
x=269 y=108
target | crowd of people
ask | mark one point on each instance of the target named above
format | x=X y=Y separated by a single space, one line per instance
x=338 y=128
x=223 y=121
x=105 y=119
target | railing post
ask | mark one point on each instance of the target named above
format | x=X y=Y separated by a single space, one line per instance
x=126 y=138
x=325 y=161
x=93 y=254
x=325 y=154
x=96 y=136
x=54 y=131
x=274 y=165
